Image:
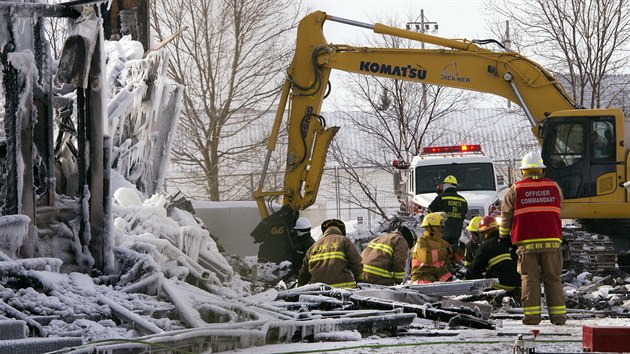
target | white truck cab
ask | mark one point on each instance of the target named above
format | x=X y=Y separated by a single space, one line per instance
x=476 y=175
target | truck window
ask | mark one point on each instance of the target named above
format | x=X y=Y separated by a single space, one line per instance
x=470 y=176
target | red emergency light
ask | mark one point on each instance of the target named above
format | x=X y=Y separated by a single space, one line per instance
x=451 y=149
x=400 y=164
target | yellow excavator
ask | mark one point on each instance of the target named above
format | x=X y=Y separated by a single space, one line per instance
x=584 y=149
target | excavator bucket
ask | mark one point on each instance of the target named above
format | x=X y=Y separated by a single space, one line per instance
x=274 y=235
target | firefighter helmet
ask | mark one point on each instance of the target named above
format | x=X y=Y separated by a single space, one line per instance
x=487 y=224
x=450 y=179
x=473 y=225
x=408 y=234
x=302 y=224
x=336 y=223
x=531 y=161
x=433 y=219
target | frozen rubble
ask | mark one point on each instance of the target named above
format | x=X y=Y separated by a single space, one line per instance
x=165 y=294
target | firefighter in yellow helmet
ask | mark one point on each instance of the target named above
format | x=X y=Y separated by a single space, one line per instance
x=473 y=243
x=430 y=254
x=456 y=207
x=530 y=220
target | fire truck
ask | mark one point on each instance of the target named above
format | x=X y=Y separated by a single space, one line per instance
x=476 y=173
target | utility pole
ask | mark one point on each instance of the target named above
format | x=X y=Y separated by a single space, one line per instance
x=506 y=43
x=422 y=26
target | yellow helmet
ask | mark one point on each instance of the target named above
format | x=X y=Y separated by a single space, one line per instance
x=450 y=179
x=433 y=219
x=473 y=226
x=532 y=161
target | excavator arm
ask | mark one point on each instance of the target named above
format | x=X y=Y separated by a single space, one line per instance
x=458 y=64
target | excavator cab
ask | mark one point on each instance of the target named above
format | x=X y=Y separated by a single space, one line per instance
x=584 y=153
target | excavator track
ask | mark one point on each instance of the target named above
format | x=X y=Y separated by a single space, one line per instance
x=589 y=251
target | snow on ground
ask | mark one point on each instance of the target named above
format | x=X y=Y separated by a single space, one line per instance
x=550 y=338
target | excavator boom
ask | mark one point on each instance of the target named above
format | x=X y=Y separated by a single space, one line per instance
x=459 y=64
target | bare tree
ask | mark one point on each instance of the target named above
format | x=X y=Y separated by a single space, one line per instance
x=582 y=41
x=230 y=58
x=55 y=30
x=395 y=118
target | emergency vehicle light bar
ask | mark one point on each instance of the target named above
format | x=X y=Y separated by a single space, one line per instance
x=454 y=148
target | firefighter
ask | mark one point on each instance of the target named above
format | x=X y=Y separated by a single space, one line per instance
x=332 y=259
x=456 y=208
x=301 y=241
x=430 y=254
x=385 y=257
x=494 y=258
x=531 y=214
x=473 y=243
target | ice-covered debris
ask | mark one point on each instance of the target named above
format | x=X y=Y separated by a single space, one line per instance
x=159 y=200
x=189 y=242
x=120 y=224
x=91 y=331
x=585 y=277
x=124 y=48
x=602 y=292
x=13 y=230
x=265 y=296
x=270 y=272
x=570 y=291
x=339 y=336
x=127 y=197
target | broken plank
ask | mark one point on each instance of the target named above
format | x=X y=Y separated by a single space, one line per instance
x=423 y=311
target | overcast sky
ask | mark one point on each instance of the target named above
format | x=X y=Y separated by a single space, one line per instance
x=455 y=18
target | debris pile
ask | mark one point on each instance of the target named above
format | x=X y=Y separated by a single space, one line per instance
x=588 y=251
x=165 y=291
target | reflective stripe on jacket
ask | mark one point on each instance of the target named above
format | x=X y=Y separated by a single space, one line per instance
x=428 y=259
x=456 y=208
x=494 y=260
x=333 y=260
x=384 y=259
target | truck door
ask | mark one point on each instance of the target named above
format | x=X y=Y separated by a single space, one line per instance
x=580 y=155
